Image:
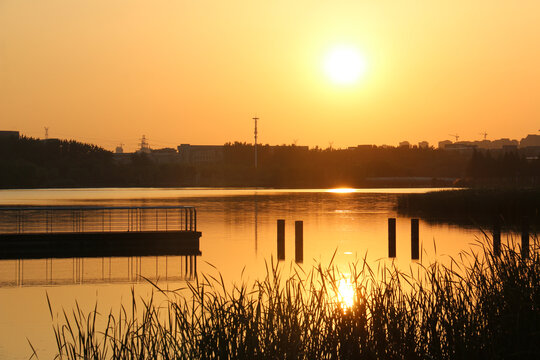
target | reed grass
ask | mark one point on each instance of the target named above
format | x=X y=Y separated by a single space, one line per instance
x=478 y=207
x=479 y=307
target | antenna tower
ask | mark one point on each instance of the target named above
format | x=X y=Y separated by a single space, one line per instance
x=484 y=134
x=456 y=136
x=46 y=132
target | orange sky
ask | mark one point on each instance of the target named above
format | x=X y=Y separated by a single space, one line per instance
x=178 y=71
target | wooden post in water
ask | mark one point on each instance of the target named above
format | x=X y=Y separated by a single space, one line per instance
x=525 y=238
x=496 y=237
x=392 y=237
x=281 y=239
x=415 y=240
x=299 y=241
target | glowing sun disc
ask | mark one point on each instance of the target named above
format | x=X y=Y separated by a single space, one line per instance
x=344 y=65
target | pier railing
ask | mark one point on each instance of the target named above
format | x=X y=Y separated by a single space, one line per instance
x=72 y=219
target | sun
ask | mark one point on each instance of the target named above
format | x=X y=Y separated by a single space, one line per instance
x=344 y=65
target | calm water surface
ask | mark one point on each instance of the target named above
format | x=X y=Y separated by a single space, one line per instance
x=238 y=237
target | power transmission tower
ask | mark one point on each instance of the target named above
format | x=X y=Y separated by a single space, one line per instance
x=144 y=144
x=456 y=136
x=120 y=148
x=46 y=133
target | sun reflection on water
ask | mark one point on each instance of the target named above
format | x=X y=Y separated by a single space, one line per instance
x=342 y=190
x=345 y=293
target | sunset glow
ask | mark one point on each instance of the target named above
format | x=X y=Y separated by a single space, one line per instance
x=106 y=73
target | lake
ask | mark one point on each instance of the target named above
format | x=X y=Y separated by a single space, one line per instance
x=238 y=239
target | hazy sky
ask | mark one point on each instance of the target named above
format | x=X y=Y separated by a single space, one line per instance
x=108 y=71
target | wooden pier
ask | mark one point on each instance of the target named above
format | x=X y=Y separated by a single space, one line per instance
x=65 y=231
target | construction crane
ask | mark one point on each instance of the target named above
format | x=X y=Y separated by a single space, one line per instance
x=455 y=135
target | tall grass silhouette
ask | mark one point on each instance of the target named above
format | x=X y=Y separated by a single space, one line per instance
x=478 y=306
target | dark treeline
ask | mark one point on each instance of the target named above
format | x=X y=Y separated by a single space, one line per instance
x=291 y=166
x=507 y=168
x=476 y=208
x=31 y=163
x=505 y=189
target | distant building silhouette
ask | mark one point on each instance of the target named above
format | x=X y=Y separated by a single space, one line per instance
x=462 y=147
x=423 y=145
x=165 y=151
x=499 y=144
x=530 y=146
x=444 y=143
x=165 y=155
x=197 y=154
x=365 y=147
x=530 y=140
x=404 y=144
x=9 y=134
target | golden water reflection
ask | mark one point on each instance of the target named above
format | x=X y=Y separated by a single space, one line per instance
x=346 y=292
x=341 y=226
x=342 y=190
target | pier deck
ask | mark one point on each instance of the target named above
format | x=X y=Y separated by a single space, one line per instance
x=63 y=232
